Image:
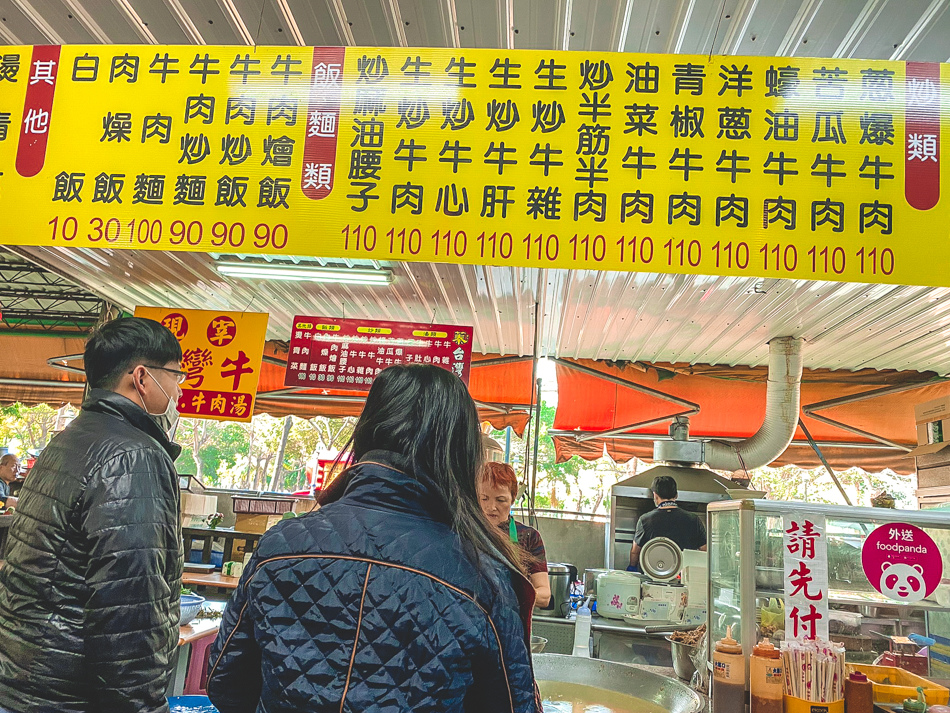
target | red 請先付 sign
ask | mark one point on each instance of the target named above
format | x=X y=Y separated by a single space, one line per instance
x=347 y=354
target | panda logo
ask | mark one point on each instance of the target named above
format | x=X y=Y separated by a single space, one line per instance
x=903 y=582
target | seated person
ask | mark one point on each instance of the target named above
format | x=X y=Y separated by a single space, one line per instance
x=9 y=470
x=497 y=489
x=686 y=529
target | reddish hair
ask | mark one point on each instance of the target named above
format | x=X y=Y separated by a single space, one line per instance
x=501 y=475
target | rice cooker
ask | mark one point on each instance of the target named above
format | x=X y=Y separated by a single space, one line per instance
x=661 y=560
x=618 y=594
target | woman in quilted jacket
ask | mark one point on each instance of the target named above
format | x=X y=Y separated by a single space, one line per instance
x=396 y=596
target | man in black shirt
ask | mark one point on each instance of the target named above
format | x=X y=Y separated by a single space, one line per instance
x=668 y=520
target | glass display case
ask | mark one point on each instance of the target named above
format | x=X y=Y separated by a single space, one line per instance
x=746 y=581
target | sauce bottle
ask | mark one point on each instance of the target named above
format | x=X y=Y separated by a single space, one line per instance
x=728 y=680
x=767 y=678
x=582 y=625
x=858 y=694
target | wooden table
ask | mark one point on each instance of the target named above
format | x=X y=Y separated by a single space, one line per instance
x=187 y=635
x=198 y=629
x=214 y=579
x=208 y=535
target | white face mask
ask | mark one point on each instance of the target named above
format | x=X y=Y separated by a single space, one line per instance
x=169 y=417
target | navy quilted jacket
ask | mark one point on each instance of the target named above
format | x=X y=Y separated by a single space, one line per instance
x=370 y=604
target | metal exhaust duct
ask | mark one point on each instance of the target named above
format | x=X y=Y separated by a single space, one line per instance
x=782 y=403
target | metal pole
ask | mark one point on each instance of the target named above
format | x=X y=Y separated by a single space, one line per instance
x=589 y=435
x=279 y=466
x=810 y=409
x=632 y=426
x=250 y=453
x=821 y=457
x=534 y=461
x=535 y=394
x=693 y=407
x=507 y=444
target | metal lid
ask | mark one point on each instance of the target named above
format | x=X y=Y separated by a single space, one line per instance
x=661 y=558
x=558 y=568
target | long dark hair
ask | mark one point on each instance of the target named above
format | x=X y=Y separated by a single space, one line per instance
x=425 y=414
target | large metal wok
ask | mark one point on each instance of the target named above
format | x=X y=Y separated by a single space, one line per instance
x=665 y=692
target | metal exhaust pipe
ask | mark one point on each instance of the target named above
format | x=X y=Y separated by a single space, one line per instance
x=782 y=403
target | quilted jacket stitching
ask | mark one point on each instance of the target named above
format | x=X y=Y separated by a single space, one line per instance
x=237 y=624
x=356 y=639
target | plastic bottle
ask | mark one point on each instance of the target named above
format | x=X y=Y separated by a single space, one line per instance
x=582 y=631
x=858 y=694
x=728 y=681
x=766 y=678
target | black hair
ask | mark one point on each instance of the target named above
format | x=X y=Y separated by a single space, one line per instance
x=425 y=414
x=665 y=487
x=122 y=344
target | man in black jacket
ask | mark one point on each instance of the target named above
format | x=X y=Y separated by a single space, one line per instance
x=90 y=591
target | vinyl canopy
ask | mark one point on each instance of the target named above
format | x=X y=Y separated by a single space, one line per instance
x=501 y=386
x=732 y=406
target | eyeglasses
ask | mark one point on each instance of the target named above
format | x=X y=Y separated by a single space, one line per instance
x=180 y=376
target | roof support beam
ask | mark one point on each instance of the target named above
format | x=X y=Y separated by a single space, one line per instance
x=31 y=14
x=86 y=20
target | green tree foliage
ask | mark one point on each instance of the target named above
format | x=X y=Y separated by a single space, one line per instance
x=572 y=485
x=29 y=428
x=243 y=456
x=237 y=455
x=793 y=483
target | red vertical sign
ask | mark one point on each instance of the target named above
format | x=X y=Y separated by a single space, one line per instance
x=323 y=119
x=37 y=110
x=922 y=135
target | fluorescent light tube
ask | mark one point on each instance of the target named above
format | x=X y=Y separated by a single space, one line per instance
x=304 y=273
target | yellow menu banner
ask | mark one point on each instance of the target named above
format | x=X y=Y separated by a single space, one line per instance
x=763 y=166
x=221 y=356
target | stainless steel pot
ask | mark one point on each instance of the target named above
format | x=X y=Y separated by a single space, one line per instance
x=682 y=661
x=665 y=692
x=560 y=577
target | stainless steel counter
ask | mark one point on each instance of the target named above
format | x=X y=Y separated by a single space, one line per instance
x=613 y=639
x=658 y=629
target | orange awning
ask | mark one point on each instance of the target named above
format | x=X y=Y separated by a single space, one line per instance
x=25 y=376
x=732 y=402
x=502 y=386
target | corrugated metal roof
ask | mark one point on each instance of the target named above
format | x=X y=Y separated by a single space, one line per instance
x=865 y=29
x=585 y=314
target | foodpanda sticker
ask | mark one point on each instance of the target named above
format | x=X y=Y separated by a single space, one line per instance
x=902 y=562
